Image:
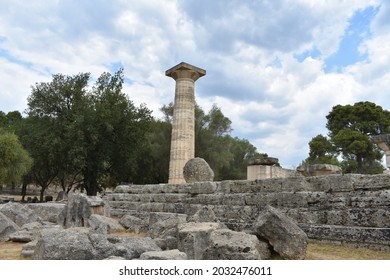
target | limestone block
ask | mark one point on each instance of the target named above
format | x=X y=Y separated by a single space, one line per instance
x=28 y=249
x=164 y=255
x=197 y=170
x=295 y=184
x=60 y=244
x=79 y=208
x=225 y=244
x=351 y=234
x=134 y=224
x=164 y=224
x=27 y=232
x=193 y=238
x=206 y=214
x=267 y=185
x=372 y=182
x=241 y=186
x=203 y=188
x=18 y=213
x=47 y=211
x=282 y=233
x=122 y=189
x=319 y=169
x=7 y=227
x=234 y=199
x=293 y=200
x=132 y=247
x=104 y=224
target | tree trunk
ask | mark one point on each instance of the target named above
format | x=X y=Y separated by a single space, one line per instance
x=42 y=193
x=359 y=160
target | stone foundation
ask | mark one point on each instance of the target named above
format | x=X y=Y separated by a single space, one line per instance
x=338 y=208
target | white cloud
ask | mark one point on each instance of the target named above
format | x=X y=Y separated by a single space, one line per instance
x=246 y=47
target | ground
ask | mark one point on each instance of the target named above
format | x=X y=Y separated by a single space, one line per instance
x=315 y=251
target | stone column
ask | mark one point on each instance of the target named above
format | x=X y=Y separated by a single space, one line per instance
x=383 y=142
x=183 y=125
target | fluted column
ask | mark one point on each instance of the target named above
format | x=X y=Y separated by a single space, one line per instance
x=183 y=125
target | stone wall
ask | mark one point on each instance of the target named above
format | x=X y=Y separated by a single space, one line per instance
x=340 y=208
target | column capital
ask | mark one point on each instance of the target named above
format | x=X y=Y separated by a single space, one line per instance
x=185 y=71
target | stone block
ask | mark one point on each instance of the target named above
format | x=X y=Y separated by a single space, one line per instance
x=193 y=238
x=164 y=224
x=134 y=224
x=47 y=211
x=59 y=244
x=203 y=188
x=7 y=227
x=104 y=224
x=164 y=255
x=204 y=215
x=18 y=213
x=282 y=233
x=225 y=244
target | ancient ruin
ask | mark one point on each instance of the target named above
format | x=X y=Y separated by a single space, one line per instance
x=183 y=126
x=383 y=142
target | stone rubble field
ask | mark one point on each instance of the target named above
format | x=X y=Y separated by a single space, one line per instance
x=81 y=229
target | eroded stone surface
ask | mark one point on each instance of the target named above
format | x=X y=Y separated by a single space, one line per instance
x=225 y=244
x=193 y=238
x=282 y=233
x=197 y=170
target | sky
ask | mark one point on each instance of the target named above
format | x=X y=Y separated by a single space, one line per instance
x=275 y=68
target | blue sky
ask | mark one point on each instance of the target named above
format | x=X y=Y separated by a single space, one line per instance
x=275 y=68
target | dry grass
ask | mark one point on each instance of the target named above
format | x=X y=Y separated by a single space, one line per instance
x=319 y=251
x=11 y=251
x=315 y=251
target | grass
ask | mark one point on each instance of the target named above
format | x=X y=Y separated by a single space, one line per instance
x=320 y=251
x=315 y=251
x=11 y=251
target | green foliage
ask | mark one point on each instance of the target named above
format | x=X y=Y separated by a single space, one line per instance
x=350 y=128
x=93 y=135
x=15 y=161
x=322 y=151
x=227 y=156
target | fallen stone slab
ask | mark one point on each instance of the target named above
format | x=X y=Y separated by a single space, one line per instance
x=104 y=225
x=225 y=244
x=28 y=249
x=47 y=211
x=284 y=235
x=64 y=244
x=134 y=224
x=132 y=247
x=193 y=238
x=27 y=232
x=164 y=255
x=79 y=208
x=18 y=213
x=163 y=224
x=7 y=227
x=205 y=214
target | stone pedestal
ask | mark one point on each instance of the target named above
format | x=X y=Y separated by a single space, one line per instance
x=183 y=126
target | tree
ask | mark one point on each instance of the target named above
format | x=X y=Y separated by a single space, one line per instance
x=322 y=151
x=350 y=128
x=227 y=156
x=93 y=135
x=15 y=161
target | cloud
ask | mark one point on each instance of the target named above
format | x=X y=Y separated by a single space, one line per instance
x=266 y=61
